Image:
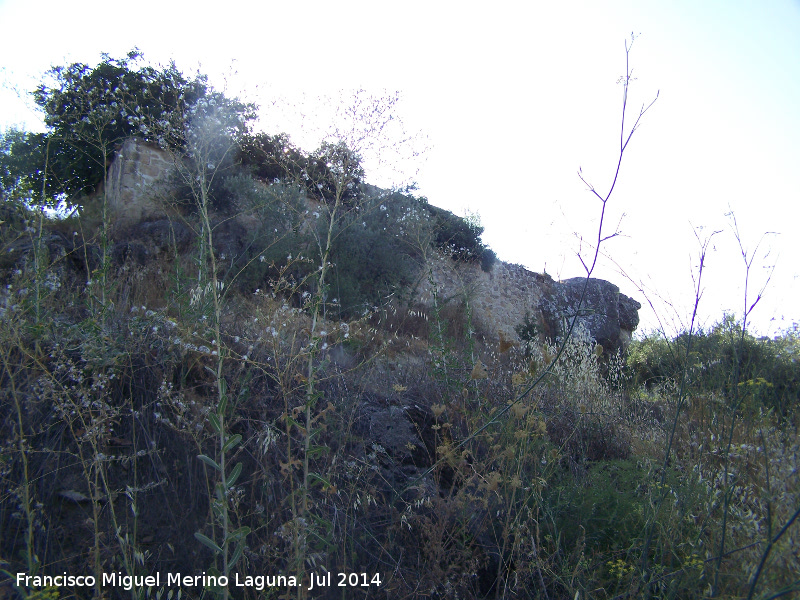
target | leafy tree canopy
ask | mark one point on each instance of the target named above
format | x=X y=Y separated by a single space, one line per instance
x=21 y=161
x=90 y=110
x=333 y=169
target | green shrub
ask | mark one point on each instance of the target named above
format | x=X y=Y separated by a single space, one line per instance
x=528 y=332
x=371 y=255
x=460 y=238
x=720 y=360
x=607 y=509
x=606 y=512
x=277 y=210
x=273 y=158
x=90 y=111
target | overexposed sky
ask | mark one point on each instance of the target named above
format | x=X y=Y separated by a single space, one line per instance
x=513 y=99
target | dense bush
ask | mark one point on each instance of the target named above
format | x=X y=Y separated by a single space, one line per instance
x=461 y=238
x=277 y=212
x=274 y=158
x=21 y=160
x=372 y=255
x=601 y=509
x=723 y=360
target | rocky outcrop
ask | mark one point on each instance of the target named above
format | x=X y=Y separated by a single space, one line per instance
x=162 y=234
x=503 y=298
x=609 y=316
x=499 y=300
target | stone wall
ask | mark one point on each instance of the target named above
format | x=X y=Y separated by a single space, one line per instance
x=134 y=179
x=501 y=298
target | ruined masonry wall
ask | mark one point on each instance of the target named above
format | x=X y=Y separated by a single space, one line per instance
x=499 y=299
x=133 y=181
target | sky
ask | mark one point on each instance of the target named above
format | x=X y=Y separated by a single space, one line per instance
x=510 y=102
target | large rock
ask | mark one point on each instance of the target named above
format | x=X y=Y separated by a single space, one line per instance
x=609 y=316
x=162 y=234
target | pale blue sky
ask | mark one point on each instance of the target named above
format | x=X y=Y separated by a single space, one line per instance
x=513 y=99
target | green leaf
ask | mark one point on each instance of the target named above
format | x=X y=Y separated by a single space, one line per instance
x=214 y=572
x=232 y=442
x=219 y=492
x=317 y=450
x=215 y=422
x=237 y=470
x=237 y=554
x=223 y=402
x=207 y=541
x=209 y=461
x=319 y=478
x=240 y=533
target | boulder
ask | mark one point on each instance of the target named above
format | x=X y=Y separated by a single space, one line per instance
x=608 y=316
x=80 y=255
x=162 y=234
x=128 y=252
x=393 y=429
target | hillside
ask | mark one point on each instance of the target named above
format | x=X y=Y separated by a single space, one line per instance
x=238 y=363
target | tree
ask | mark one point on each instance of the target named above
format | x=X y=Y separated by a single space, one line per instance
x=271 y=157
x=90 y=110
x=21 y=161
x=274 y=157
x=336 y=172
